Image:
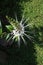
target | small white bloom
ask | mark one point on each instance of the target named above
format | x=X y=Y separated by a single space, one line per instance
x=19 y=30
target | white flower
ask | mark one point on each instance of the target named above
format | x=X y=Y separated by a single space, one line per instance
x=19 y=30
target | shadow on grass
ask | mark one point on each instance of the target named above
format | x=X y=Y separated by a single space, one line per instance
x=23 y=55
x=39 y=36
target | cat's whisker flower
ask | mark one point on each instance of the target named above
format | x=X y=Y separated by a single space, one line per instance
x=19 y=31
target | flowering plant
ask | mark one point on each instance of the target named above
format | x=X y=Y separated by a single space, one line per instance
x=17 y=30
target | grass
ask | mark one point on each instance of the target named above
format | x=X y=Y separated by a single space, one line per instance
x=33 y=54
x=39 y=55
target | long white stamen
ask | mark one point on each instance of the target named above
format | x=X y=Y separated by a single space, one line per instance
x=22 y=19
x=9 y=38
x=23 y=40
x=16 y=18
x=27 y=31
x=25 y=21
x=29 y=37
x=28 y=25
x=19 y=41
x=13 y=37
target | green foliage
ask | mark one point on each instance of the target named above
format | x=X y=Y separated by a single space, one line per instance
x=9 y=27
x=34 y=10
x=13 y=25
x=39 y=51
x=7 y=36
x=0 y=28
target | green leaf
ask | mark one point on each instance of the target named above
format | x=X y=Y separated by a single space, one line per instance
x=9 y=27
x=0 y=28
x=7 y=36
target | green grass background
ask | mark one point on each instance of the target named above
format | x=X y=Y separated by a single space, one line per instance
x=33 y=53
